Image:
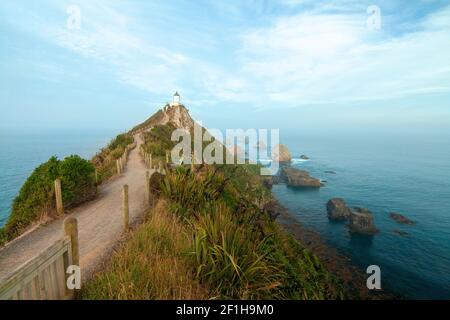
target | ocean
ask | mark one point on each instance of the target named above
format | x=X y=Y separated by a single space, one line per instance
x=21 y=153
x=403 y=172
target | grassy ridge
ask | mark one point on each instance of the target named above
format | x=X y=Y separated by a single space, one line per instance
x=233 y=249
x=157 y=141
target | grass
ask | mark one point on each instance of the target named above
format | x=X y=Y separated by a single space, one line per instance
x=229 y=259
x=155 y=263
x=105 y=160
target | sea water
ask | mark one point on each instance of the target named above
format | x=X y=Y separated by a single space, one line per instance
x=404 y=172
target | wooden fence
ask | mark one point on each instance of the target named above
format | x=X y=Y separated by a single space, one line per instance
x=44 y=277
x=110 y=168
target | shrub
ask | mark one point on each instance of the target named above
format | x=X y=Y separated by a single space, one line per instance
x=77 y=180
x=34 y=199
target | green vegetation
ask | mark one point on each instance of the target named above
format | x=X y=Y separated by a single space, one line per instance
x=157 y=140
x=36 y=199
x=105 y=160
x=232 y=248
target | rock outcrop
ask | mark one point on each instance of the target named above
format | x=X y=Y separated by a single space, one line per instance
x=361 y=221
x=156 y=181
x=299 y=178
x=177 y=115
x=282 y=155
x=337 y=209
x=304 y=157
x=399 y=218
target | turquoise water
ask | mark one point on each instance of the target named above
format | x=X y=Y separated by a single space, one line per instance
x=21 y=153
x=407 y=173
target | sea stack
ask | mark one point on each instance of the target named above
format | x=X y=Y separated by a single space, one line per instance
x=361 y=221
x=337 y=209
x=281 y=155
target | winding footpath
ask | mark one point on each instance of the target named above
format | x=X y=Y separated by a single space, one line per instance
x=100 y=222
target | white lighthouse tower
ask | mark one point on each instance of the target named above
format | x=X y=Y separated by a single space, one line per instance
x=176 y=99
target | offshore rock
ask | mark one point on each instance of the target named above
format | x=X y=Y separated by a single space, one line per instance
x=361 y=221
x=337 y=209
x=299 y=178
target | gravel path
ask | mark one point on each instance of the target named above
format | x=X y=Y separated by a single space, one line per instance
x=100 y=223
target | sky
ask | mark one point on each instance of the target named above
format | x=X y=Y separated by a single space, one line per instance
x=287 y=64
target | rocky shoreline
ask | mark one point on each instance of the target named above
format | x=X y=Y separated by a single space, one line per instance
x=353 y=278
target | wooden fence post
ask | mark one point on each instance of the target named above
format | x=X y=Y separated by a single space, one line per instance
x=71 y=230
x=150 y=160
x=167 y=157
x=118 y=166
x=58 y=196
x=126 y=208
x=147 y=185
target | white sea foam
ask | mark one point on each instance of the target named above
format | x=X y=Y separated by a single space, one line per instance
x=299 y=160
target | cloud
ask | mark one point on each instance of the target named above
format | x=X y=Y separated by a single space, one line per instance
x=321 y=54
x=331 y=58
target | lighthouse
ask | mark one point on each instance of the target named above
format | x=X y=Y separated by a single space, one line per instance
x=176 y=99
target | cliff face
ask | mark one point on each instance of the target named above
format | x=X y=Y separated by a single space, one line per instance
x=177 y=115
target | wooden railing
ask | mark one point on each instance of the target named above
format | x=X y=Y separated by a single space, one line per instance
x=44 y=277
x=149 y=161
x=111 y=168
x=122 y=161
